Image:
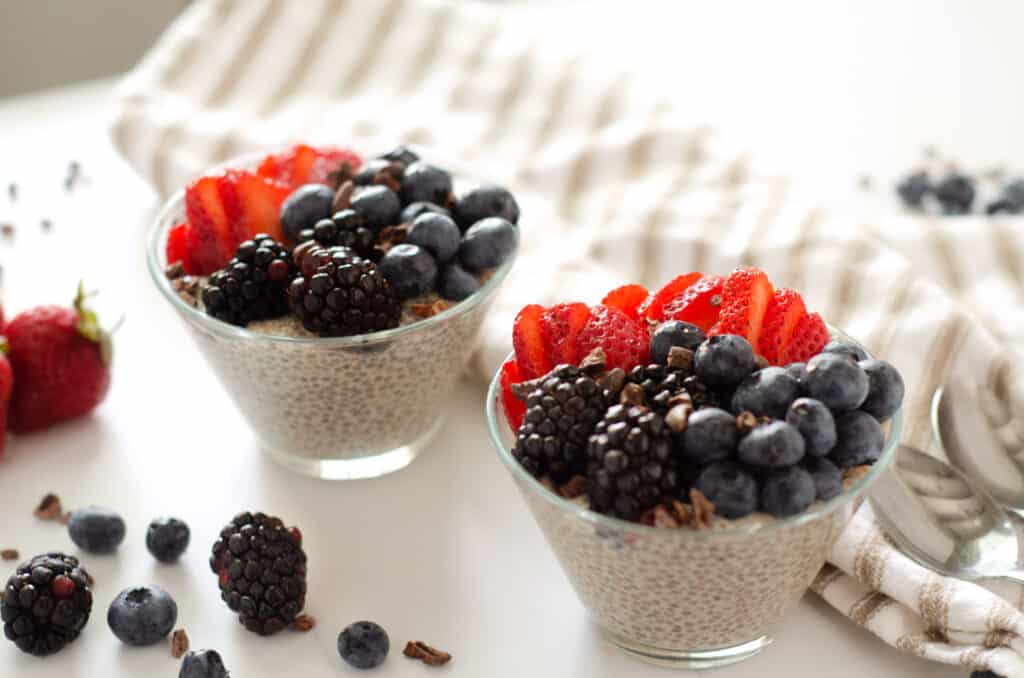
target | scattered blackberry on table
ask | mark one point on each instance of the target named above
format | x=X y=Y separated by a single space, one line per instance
x=487 y=200
x=401 y=154
x=339 y=294
x=96 y=530
x=815 y=423
x=724 y=360
x=630 y=463
x=424 y=182
x=955 y=193
x=304 y=208
x=253 y=285
x=844 y=348
x=437 y=234
x=142 y=616
x=730 y=488
x=885 y=389
x=413 y=210
x=261 y=568
x=344 y=229
x=561 y=414
x=710 y=435
x=377 y=205
x=203 y=664
x=836 y=381
x=859 y=439
x=828 y=479
x=772 y=445
x=913 y=189
x=46 y=604
x=786 y=492
x=487 y=244
x=167 y=539
x=767 y=393
x=364 y=645
x=410 y=270
x=674 y=333
x=456 y=283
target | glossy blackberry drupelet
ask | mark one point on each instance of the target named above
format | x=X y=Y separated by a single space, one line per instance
x=344 y=229
x=46 y=604
x=660 y=384
x=254 y=284
x=261 y=568
x=338 y=294
x=630 y=463
x=561 y=414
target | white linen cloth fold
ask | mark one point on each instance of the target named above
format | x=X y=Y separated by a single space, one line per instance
x=614 y=189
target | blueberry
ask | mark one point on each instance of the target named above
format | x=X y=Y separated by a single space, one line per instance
x=710 y=435
x=885 y=389
x=401 y=154
x=844 y=348
x=425 y=183
x=410 y=269
x=731 y=489
x=437 y=234
x=859 y=439
x=1002 y=206
x=797 y=371
x=410 y=212
x=456 y=283
x=772 y=445
x=828 y=479
x=767 y=393
x=167 y=539
x=786 y=492
x=955 y=193
x=914 y=188
x=674 y=333
x=815 y=423
x=836 y=381
x=364 y=645
x=96 y=530
x=369 y=170
x=488 y=244
x=485 y=201
x=203 y=664
x=724 y=360
x=985 y=674
x=142 y=616
x=304 y=207
x=377 y=205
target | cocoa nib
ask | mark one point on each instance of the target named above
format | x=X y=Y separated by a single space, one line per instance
x=680 y=358
x=49 y=508
x=429 y=310
x=575 y=487
x=594 y=364
x=632 y=394
x=9 y=554
x=179 y=643
x=343 y=196
x=417 y=649
x=703 y=509
x=304 y=623
x=175 y=271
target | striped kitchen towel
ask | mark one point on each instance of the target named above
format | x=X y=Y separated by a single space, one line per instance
x=614 y=188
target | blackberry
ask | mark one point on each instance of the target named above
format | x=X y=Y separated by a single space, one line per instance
x=660 y=383
x=46 y=603
x=631 y=466
x=561 y=414
x=344 y=229
x=339 y=294
x=262 y=571
x=701 y=394
x=254 y=284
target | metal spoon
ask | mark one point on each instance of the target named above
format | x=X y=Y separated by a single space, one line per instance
x=944 y=521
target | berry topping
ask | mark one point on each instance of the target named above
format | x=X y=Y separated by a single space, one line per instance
x=745 y=296
x=885 y=389
x=624 y=341
x=560 y=328
x=304 y=164
x=859 y=439
x=377 y=205
x=167 y=539
x=252 y=205
x=487 y=244
x=766 y=393
x=364 y=645
x=401 y=154
x=254 y=284
x=836 y=381
x=41 y=613
x=178 y=248
x=784 y=312
x=211 y=240
x=344 y=229
x=710 y=435
x=437 y=234
x=528 y=342
x=845 y=348
x=786 y=492
x=913 y=189
x=674 y=333
x=653 y=308
x=772 y=445
x=828 y=479
x=807 y=340
x=483 y=202
x=142 y=616
x=627 y=299
x=724 y=360
x=95 y=529
x=955 y=193
x=456 y=283
x=730 y=488
x=304 y=207
x=413 y=210
x=515 y=409
x=700 y=304
x=424 y=182
x=410 y=269
x=815 y=423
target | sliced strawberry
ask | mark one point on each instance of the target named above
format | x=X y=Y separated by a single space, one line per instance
x=560 y=328
x=745 y=297
x=784 y=311
x=177 y=247
x=625 y=341
x=515 y=409
x=528 y=341
x=653 y=308
x=627 y=299
x=699 y=305
x=252 y=204
x=304 y=164
x=808 y=338
x=211 y=242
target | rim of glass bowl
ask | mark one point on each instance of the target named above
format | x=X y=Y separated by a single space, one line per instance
x=495 y=421
x=174 y=208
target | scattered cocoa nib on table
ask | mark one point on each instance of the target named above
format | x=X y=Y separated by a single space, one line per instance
x=304 y=623
x=50 y=508
x=417 y=649
x=7 y=229
x=179 y=643
x=9 y=554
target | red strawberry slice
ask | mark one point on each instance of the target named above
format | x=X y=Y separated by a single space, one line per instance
x=211 y=241
x=745 y=298
x=177 y=247
x=625 y=341
x=528 y=341
x=304 y=164
x=699 y=305
x=515 y=409
x=560 y=328
x=252 y=204
x=627 y=299
x=653 y=308
x=808 y=338
x=785 y=310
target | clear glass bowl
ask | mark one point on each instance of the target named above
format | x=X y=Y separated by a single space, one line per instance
x=678 y=597
x=334 y=408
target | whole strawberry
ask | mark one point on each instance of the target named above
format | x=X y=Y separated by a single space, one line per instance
x=61 y=357
x=6 y=386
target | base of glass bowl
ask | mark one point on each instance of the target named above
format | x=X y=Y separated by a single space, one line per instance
x=688 y=659
x=354 y=468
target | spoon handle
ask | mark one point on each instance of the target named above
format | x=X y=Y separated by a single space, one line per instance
x=1013 y=575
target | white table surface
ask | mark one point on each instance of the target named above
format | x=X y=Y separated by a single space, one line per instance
x=443 y=551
